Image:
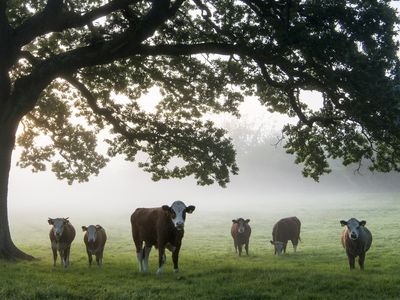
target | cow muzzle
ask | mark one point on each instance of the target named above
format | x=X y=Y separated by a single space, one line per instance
x=353 y=236
x=179 y=226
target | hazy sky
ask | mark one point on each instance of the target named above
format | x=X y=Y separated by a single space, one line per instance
x=122 y=186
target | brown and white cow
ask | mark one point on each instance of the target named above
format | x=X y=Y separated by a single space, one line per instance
x=95 y=238
x=241 y=232
x=61 y=236
x=356 y=240
x=284 y=230
x=162 y=227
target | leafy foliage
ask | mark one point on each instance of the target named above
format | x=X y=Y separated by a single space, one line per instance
x=204 y=56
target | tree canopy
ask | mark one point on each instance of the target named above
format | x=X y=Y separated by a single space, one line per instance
x=64 y=64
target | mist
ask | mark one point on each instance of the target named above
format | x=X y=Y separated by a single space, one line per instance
x=268 y=182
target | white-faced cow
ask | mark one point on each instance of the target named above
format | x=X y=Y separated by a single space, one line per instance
x=61 y=236
x=162 y=227
x=241 y=232
x=284 y=230
x=356 y=240
x=95 y=238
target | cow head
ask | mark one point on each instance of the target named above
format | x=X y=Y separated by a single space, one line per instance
x=241 y=223
x=91 y=232
x=279 y=247
x=353 y=227
x=177 y=211
x=58 y=226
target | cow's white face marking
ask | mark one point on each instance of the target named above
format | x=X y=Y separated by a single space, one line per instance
x=353 y=228
x=279 y=246
x=178 y=212
x=92 y=233
x=178 y=209
x=58 y=226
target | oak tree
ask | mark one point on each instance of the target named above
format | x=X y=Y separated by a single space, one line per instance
x=71 y=70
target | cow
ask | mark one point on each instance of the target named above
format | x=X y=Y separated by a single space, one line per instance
x=356 y=240
x=61 y=236
x=95 y=238
x=284 y=230
x=241 y=232
x=162 y=227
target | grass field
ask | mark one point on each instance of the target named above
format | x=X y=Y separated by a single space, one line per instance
x=209 y=268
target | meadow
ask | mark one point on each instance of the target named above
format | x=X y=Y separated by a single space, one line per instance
x=209 y=267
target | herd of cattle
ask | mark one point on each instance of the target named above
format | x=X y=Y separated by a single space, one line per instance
x=163 y=228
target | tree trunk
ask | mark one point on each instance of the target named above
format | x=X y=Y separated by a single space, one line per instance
x=7 y=141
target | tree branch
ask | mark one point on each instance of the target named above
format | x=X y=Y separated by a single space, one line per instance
x=118 y=125
x=53 y=18
x=69 y=62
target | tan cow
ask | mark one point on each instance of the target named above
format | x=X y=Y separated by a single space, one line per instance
x=241 y=232
x=95 y=238
x=61 y=236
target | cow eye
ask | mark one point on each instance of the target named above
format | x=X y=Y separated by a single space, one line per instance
x=173 y=215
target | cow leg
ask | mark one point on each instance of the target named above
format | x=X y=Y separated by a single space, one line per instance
x=246 y=247
x=235 y=245
x=361 y=259
x=67 y=251
x=161 y=259
x=139 y=253
x=175 y=257
x=240 y=245
x=352 y=260
x=98 y=259
x=54 y=256
x=61 y=253
x=147 y=250
x=90 y=258
x=295 y=242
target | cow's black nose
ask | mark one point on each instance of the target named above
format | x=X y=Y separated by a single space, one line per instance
x=353 y=236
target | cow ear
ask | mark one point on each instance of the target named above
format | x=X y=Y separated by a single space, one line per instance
x=234 y=221
x=362 y=223
x=247 y=220
x=190 y=209
x=66 y=221
x=272 y=242
x=98 y=227
x=166 y=208
x=84 y=228
x=51 y=221
x=343 y=223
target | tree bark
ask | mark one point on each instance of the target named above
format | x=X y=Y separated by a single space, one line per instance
x=8 y=130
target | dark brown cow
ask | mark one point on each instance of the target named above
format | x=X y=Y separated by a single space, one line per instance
x=284 y=230
x=161 y=227
x=95 y=238
x=356 y=240
x=61 y=236
x=241 y=232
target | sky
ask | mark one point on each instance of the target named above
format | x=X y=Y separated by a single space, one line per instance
x=122 y=186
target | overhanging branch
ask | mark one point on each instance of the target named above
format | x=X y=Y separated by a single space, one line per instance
x=107 y=114
x=53 y=18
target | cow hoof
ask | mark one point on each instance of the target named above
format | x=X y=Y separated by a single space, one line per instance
x=159 y=272
x=176 y=270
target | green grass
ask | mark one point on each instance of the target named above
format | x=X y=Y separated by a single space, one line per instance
x=209 y=268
